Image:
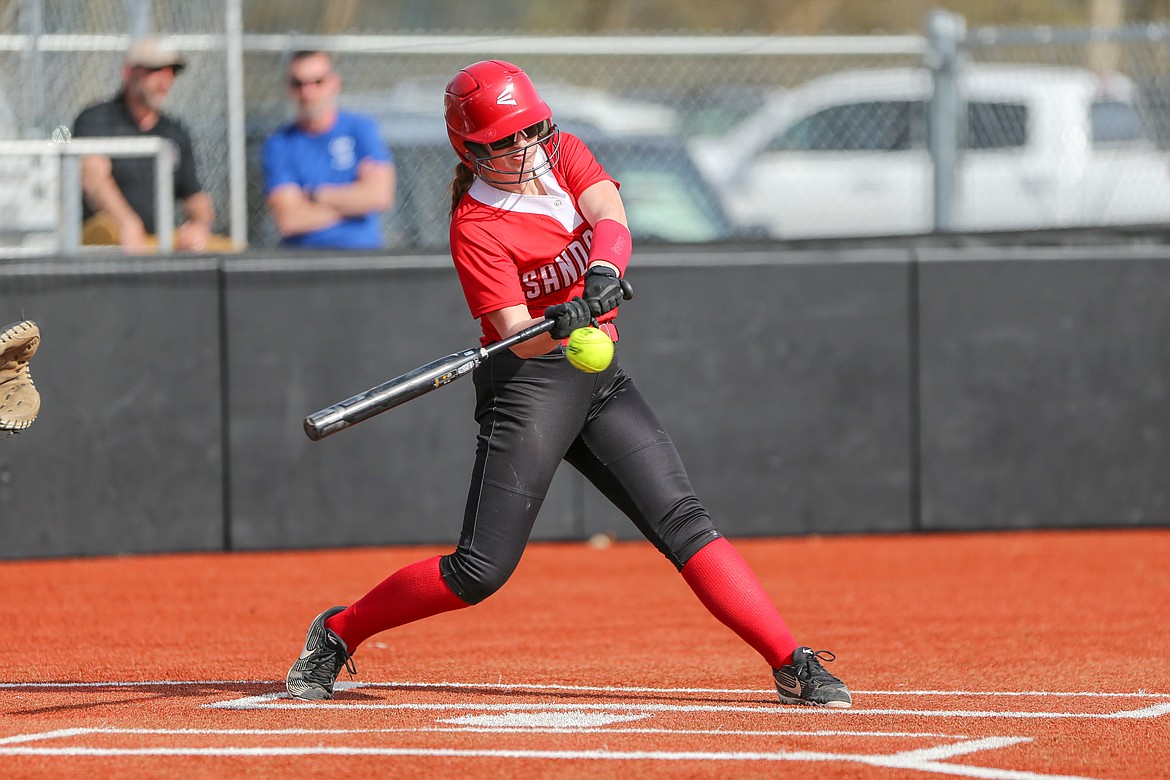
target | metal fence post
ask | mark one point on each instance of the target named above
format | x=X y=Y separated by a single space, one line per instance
x=945 y=32
x=237 y=169
x=69 y=193
x=138 y=18
x=32 y=23
x=164 y=197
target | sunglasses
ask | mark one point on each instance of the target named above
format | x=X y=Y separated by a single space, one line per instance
x=532 y=131
x=175 y=69
x=296 y=83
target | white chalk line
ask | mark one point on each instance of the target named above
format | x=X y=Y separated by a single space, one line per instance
x=910 y=760
x=282 y=701
x=489 y=687
x=907 y=759
x=928 y=760
x=57 y=734
x=66 y=733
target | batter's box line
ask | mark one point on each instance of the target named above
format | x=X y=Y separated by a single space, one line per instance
x=274 y=700
x=488 y=687
x=319 y=732
x=281 y=700
x=277 y=701
x=932 y=760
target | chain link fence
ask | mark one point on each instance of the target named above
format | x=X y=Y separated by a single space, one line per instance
x=713 y=138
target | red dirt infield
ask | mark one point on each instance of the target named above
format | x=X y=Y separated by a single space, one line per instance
x=990 y=655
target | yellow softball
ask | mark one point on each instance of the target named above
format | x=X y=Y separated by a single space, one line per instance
x=590 y=349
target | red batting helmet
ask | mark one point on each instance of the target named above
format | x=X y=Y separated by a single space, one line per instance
x=490 y=102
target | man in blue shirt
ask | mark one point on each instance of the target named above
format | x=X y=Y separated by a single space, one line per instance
x=328 y=174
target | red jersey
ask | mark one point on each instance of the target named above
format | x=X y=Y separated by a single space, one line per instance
x=514 y=249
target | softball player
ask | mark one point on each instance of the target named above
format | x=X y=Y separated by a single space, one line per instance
x=538 y=231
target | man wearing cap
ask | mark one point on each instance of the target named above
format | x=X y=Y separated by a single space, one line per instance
x=119 y=202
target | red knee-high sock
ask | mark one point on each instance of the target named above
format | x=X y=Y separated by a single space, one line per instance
x=409 y=594
x=728 y=588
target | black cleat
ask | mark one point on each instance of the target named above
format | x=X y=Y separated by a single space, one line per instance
x=312 y=676
x=805 y=681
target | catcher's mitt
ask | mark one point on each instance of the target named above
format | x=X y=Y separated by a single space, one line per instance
x=19 y=400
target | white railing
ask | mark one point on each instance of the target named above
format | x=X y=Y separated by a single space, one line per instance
x=67 y=163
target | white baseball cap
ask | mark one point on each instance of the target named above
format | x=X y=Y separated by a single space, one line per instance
x=150 y=53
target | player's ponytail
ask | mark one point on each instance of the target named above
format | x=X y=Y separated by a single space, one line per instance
x=460 y=185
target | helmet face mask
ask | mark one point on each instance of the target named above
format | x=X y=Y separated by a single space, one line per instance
x=543 y=135
x=486 y=105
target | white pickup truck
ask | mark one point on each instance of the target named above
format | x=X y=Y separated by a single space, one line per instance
x=846 y=154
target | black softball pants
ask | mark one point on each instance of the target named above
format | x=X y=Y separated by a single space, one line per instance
x=532 y=414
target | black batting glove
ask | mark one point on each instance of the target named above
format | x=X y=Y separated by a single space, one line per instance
x=604 y=290
x=568 y=316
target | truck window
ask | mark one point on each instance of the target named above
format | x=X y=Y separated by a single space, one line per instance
x=1114 y=123
x=873 y=126
x=894 y=126
x=996 y=125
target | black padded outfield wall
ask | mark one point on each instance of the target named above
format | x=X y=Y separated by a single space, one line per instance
x=1045 y=387
x=126 y=454
x=808 y=392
